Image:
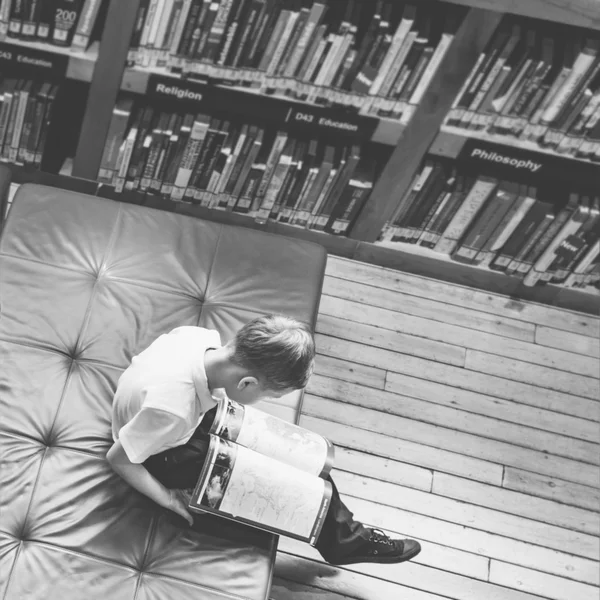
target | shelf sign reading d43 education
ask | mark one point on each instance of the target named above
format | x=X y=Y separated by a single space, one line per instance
x=526 y=166
x=20 y=61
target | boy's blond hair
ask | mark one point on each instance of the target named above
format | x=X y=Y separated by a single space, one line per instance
x=279 y=350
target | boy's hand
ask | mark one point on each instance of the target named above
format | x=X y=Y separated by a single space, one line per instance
x=178 y=503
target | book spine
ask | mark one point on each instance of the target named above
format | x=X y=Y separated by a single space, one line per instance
x=527 y=260
x=475 y=199
x=592 y=254
x=277 y=180
x=37 y=124
x=89 y=13
x=506 y=228
x=314 y=18
x=24 y=142
x=483 y=228
x=16 y=16
x=393 y=229
x=522 y=232
x=289 y=19
x=355 y=196
x=272 y=160
x=530 y=241
x=19 y=119
x=432 y=67
x=41 y=145
x=420 y=206
x=202 y=160
x=66 y=15
x=401 y=33
x=30 y=19
x=344 y=175
x=581 y=65
x=544 y=261
x=190 y=157
x=255 y=145
x=409 y=41
x=217 y=31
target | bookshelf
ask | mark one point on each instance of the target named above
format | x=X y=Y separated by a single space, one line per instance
x=110 y=75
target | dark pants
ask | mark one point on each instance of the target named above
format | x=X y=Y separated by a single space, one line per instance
x=180 y=468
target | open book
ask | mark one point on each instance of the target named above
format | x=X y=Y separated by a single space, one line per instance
x=265 y=472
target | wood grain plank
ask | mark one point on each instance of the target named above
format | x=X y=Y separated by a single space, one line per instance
x=484 y=383
x=404 y=451
x=544 y=377
x=287 y=413
x=344 y=582
x=382 y=468
x=390 y=340
x=427 y=579
x=282 y=589
x=447 y=439
x=473 y=516
x=505 y=410
x=393 y=320
x=526 y=311
x=541 y=486
x=350 y=371
x=541 y=584
x=573 y=342
x=516 y=503
x=433 y=310
x=453 y=418
x=462 y=563
x=428 y=529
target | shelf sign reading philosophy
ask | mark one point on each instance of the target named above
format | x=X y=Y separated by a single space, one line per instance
x=526 y=166
x=266 y=109
x=20 y=59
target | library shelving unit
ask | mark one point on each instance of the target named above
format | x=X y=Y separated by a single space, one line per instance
x=111 y=74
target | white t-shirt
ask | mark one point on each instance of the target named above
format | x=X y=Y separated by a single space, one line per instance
x=162 y=396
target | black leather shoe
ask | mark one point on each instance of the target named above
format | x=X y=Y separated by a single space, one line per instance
x=380 y=548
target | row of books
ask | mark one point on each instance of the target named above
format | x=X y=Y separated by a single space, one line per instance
x=26 y=108
x=226 y=165
x=305 y=48
x=502 y=225
x=536 y=82
x=66 y=23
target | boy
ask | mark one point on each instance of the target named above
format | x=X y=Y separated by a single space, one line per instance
x=166 y=399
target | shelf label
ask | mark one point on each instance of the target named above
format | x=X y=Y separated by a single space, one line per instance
x=527 y=166
x=267 y=109
x=20 y=58
x=330 y=120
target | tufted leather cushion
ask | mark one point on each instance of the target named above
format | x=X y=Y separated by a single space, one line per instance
x=86 y=283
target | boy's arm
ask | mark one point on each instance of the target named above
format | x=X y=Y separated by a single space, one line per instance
x=138 y=477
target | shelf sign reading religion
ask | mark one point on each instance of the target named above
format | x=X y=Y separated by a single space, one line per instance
x=517 y=164
x=21 y=58
x=266 y=108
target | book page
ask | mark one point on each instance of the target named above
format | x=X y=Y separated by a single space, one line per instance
x=244 y=485
x=273 y=437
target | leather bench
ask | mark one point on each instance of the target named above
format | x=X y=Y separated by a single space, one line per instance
x=86 y=283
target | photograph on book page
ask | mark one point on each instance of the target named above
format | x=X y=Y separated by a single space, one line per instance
x=288 y=443
x=245 y=486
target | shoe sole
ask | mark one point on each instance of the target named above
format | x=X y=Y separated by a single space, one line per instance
x=388 y=560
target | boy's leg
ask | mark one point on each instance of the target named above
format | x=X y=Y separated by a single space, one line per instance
x=345 y=541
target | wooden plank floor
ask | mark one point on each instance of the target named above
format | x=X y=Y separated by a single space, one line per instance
x=465 y=420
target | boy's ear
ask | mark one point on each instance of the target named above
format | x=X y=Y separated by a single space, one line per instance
x=246 y=381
